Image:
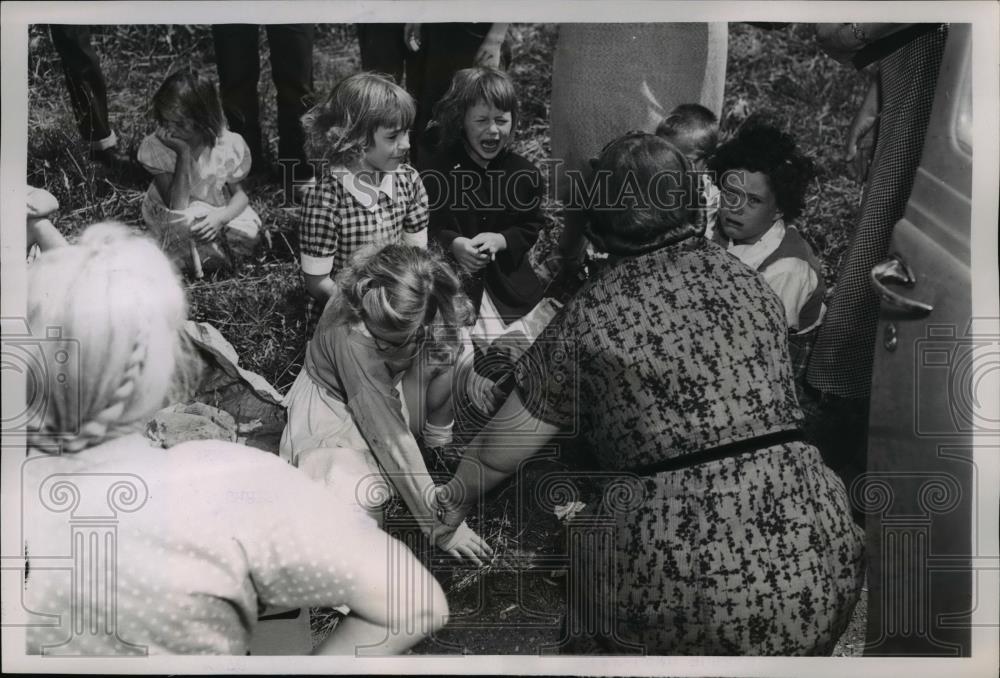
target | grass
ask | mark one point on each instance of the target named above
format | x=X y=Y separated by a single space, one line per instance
x=259 y=307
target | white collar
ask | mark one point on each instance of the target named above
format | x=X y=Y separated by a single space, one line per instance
x=363 y=192
x=755 y=254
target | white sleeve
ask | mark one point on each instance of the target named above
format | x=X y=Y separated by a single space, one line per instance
x=418 y=239
x=793 y=280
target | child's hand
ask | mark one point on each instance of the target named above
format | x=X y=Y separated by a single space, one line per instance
x=464 y=543
x=490 y=243
x=173 y=142
x=469 y=256
x=206 y=228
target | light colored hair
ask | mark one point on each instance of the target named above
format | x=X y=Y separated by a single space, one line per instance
x=343 y=125
x=114 y=304
x=397 y=289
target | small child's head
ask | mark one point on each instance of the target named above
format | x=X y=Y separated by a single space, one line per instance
x=693 y=129
x=118 y=310
x=479 y=110
x=762 y=176
x=643 y=195
x=403 y=295
x=363 y=123
x=187 y=105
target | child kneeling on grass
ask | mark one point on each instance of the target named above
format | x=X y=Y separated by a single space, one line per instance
x=197 y=165
x=392 y=310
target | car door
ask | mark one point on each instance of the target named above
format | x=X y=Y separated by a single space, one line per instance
x=920 y=481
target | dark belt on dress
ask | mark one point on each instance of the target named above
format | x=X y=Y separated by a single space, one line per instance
x=721 y=452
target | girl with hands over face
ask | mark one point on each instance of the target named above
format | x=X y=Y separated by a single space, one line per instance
x=196 y=202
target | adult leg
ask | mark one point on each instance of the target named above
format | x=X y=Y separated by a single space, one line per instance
x=88 y=94
x=238 y=60
x=382 y=49
x=87 y=89
x=445 y=48
x=291 y=47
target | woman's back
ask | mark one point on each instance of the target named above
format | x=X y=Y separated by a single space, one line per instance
x=677 y=350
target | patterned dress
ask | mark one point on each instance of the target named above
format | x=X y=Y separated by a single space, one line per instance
x=342 y=215
x=670 y=354
x=841 y=362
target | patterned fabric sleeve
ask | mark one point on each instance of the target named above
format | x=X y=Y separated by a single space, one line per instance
x=547 y=375
x=154 y=155
x=417 y=214
x=294 y=559
x=319 y=235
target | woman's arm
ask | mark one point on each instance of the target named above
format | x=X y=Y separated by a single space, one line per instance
x=491 y=457
x=489 y=51
x=860 y=136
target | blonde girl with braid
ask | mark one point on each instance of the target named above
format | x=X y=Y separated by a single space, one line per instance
x=393 y=311
x=183 y=545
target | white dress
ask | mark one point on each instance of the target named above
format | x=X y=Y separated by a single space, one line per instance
x=228 y=162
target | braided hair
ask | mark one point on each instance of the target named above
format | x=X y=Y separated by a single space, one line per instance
x=107 y=315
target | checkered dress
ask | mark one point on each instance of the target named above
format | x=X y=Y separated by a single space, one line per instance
x=335 y=223
x=841 y=361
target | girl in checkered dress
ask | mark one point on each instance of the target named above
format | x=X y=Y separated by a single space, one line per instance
x=366 y=193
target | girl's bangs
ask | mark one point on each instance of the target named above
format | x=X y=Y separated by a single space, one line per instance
x=398 y=112
x=495 y=92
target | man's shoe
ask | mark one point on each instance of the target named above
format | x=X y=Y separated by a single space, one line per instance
x=115 y=161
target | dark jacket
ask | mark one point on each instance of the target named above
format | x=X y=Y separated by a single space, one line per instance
x=505 y=198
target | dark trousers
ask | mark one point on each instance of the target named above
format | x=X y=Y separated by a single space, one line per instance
x=444 y=49
x=238 y=57
x=88 y=92
x=383 y=51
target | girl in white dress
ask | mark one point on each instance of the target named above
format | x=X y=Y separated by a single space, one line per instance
x=196 y=203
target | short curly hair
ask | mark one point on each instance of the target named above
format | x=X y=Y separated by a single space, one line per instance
x=759 y=146
x=642 y=192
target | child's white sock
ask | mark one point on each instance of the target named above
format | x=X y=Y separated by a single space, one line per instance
x=437 y=435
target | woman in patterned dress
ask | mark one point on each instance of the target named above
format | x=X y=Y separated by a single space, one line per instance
x=719 y=530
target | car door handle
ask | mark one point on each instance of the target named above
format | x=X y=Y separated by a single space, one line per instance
x=895 y=271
